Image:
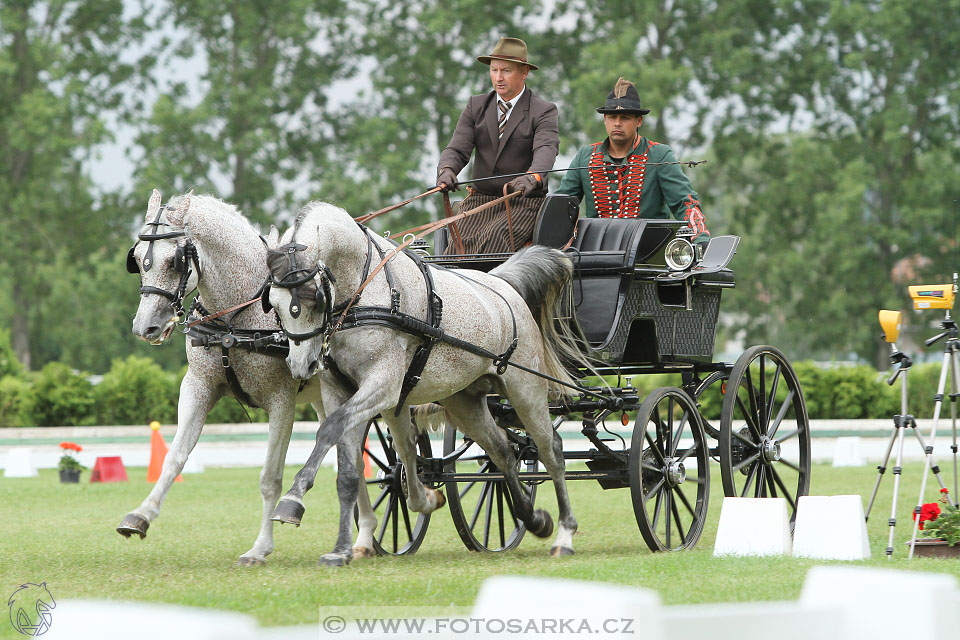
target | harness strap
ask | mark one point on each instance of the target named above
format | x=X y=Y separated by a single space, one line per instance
x=513 y=242
x=232 y=381
x=454 y=229
x=422 y=354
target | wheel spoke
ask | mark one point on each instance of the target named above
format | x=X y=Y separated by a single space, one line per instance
x=476 y=512
x=656 y=452
x=746 y=461
x=655 y=489
x=787 y=403
x=385 y=467
x=406 y=517
x=749 y=418
x=679 y=434
x=386 y=518
x=790 y=434
x=676 y=516
x=687 y=453
x=686 y=502
x=395 y=521
x=487 y=520
x=388 y=449
x=383 y=494
x=500 y=492
x=783 y=488
x=761 y=488
x=772 y=400
x=792 y=465
x=751 y=475
x=668 y=434
x=658 y=503
x=483 y=468
x=761 y=396
x=668 y=498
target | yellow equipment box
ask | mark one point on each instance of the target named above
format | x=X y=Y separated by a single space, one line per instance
x=932 y=296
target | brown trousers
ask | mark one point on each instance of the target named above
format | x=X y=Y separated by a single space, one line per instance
x=488 y=231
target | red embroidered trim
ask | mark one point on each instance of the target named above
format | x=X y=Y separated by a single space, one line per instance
x=617 y=189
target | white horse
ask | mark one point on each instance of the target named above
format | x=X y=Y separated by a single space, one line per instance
x=491 y=311
x=200 y=242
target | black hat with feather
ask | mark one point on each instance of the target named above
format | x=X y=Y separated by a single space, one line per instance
x=624 y=99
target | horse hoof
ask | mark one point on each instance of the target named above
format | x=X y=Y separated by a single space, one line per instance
x=364 y=552
x=332 y=560
x=288 y=512
x=133 y=524
x=560 y=551
x=541 y=525
x=441 y=499
x=251 y=562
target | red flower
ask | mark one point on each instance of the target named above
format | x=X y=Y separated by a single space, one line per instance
x=928 y=511
x=944 y=490
x=71 y=446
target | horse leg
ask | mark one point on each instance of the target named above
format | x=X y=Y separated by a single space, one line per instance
x=280 y=409
x=367 y=519
x=535 y=416
x=471 y=415
x=419 y=498
x=374 y=396
x=197 y=397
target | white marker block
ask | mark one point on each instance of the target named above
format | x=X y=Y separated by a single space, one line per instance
x=883 y=603
x=753 y=527
x=193 y=464
x=831 y=528
x=585 y=606
x=848 y=453
x=20 y=463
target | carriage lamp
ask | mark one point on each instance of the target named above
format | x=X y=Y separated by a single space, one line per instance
x=679 y=254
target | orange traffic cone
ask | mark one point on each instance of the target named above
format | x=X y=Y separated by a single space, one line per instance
x=367 y=469
x=158 y=451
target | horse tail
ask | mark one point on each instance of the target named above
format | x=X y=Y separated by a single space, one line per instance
x=429 y=417
x=542 y=276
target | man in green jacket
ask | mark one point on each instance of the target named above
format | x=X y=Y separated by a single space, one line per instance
x=621 y=178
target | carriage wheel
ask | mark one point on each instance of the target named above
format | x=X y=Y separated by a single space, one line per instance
x=670 y=495
x=764 y=430
x=482 y=510
x=397 y=533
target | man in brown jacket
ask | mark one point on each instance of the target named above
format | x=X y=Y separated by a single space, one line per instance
x=512 y=131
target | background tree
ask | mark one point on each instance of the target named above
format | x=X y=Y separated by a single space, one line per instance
x=250 y=129
x=61 y=70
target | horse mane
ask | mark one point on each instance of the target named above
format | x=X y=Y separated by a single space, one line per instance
x=194 y=218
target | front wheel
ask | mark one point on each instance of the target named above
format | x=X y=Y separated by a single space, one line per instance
x=399 y=531
x=669 y=471
x=764 y=430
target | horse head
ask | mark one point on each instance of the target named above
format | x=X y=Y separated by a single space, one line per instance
x=168 y=265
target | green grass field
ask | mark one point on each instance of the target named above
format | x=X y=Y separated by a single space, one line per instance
x=64 y=535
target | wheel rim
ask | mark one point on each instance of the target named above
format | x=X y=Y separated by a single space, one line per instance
x=765 y=430
x=669 y=471
x=482 y=510
x=399 y=531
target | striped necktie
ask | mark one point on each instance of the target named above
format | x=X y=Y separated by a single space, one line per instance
x=502 y=122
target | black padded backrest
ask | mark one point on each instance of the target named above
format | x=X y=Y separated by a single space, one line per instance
x=607 y=242
x=440 y=237
x=556 y=221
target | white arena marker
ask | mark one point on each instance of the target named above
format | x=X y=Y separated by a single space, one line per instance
x=883 y=603
x=753 y=527
x=582 y=607
x=20 y=463
x=193 y=464
x=831 y=528
x=848 y=453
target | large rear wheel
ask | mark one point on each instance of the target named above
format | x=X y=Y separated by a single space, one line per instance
x=764 y=430
x=479 y=502
x=669 y=471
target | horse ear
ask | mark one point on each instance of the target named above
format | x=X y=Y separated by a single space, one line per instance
x=153 y=205
x=272 y=237
x=176 y=216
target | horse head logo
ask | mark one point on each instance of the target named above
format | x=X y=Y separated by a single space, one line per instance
x=30 y=607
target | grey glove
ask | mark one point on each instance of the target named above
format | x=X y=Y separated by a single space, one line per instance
x=524 y=184
x=447 y=179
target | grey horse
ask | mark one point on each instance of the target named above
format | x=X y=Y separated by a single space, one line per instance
x=491 y=311
x=203 y=243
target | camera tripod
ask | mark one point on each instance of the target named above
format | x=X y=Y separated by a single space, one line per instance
x=951 y=349
x=890 y=320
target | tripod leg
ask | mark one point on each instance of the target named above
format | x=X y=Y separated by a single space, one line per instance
x=883 y=466
x=929 y=450
x=937 y=405
x=897 y=469
x=955 y=379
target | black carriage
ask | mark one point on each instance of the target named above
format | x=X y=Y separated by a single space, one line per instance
x=639 y=311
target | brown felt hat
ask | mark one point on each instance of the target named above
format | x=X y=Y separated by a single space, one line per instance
x=511 y=50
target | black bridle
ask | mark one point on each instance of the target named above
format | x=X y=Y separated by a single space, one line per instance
x=184 y=256
x=292 y=281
